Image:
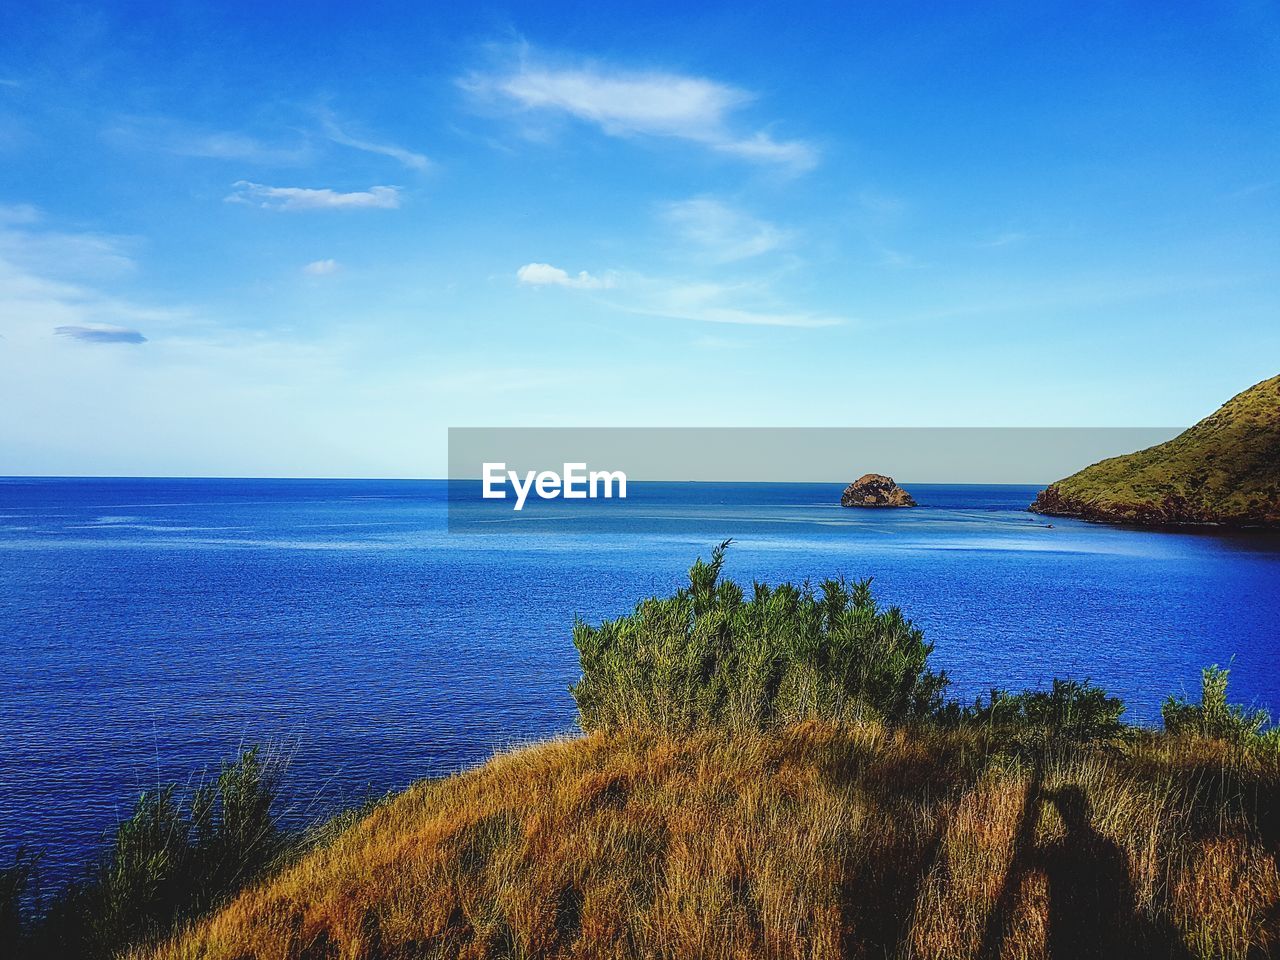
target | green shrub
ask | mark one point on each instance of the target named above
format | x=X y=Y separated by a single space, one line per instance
x=1214 y=717
x=711 y=656
x=1070 y=710
x=175 y=857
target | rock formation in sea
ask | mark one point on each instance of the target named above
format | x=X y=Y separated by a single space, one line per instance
x=875 y=490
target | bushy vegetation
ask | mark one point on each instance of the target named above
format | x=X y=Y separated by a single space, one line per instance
x=1215 y=718
x=710 y=655
x=1070 y=710
x=177 y=856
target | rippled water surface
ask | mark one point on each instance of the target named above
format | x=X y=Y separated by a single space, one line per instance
x=149 y=627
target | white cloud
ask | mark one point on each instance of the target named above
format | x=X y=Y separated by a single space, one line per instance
x=661 y=104
x=760 y=147
x=720 y=231
x=545 y=275
x=321 y=268
x=644 y=103
x=410 y=159
x=305 y=198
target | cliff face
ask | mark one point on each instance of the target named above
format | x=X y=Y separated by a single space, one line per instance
x=875 y=490
x=1224 y=470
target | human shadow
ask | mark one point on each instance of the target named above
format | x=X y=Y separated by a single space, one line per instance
x=881 y=892
x=1093 y=911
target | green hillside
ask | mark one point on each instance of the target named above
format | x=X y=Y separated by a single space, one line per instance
x=1224 y=470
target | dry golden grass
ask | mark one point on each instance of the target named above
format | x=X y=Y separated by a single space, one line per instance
x=814 y=841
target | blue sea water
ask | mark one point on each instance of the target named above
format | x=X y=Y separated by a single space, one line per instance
x=148 y=628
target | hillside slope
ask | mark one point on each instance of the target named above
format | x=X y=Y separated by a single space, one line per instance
x=813 y=841
x=1224 y=470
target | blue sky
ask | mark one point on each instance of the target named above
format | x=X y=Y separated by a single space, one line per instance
x=305 y=239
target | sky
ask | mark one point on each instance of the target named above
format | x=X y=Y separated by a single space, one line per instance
x=306 y=239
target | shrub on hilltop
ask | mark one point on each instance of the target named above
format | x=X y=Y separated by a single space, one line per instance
x=712 y=656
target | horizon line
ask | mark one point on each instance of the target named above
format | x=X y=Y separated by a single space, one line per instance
x=331 y=479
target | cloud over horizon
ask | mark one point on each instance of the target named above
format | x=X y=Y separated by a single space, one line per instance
x=291 y=199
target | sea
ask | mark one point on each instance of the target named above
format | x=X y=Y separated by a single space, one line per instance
x=152 y=628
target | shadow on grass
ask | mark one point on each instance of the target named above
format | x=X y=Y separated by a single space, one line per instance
x=1092 y=909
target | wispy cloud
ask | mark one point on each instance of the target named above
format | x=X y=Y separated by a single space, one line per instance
x=651 y=103
x=748 y=304
x=100 y=334
x=726 y=303
x=18 y=213
x=708 y=342
x=721 y=232
x=26 y=242
x=1252 y=190
x=184 y=139
x=489 y=380
x=760 y=147
x=289 y=199
x=51 y=282
x=1007 y=239
x=898 y=259
x=408 y=158
x=321 y=268
x=545 y=275
x=882 y=205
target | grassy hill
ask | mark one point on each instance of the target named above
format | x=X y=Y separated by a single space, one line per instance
x=1225 y=470
x=816 y=840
